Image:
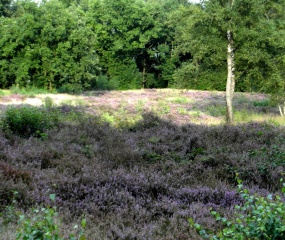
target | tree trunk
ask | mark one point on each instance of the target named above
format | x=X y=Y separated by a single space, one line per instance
x=144 y=74
x=282 y=109
x=230 y=88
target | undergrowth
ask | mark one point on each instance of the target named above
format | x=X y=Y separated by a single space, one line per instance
x=135 y=178
x=256 y=218
x=30 y=91
x=28 y=121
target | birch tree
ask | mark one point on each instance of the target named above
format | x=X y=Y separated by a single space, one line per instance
x=242 y=39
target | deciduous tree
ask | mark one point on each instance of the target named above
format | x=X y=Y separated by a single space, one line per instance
x=243 y=38
x=47 y=45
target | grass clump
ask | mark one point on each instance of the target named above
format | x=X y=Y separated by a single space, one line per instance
x=30 y=91
x=2 y=93
x=258 y=218
x=140 y=105
x=162 y=108
x=179 y=100
x=27 y=121
x=216 y=111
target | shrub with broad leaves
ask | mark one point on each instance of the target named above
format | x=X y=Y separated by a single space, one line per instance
x=258 y=218
x=45 y=225
x=28 y=121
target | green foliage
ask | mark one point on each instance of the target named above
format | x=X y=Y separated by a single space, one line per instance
x=162 y=108
x=48 y=102
x=6 y=8
x=273 y=156
x=257 y=26
x=140 y=105
x=44 y=224
x=180 y=100
x=57 y=44
x=2 y=93
x=47 y=45
x=107 y=117
x=29 y=90
x=103 y=83
x=191 y=76
x=216 y=111
x=120 y=119
x=28 y=121
x=125 y=74
x=9 y=214
x=258 y=218
x=262 y=103
x=242 y=115
x=183 y=111
x=70 y=88
x=133 y=37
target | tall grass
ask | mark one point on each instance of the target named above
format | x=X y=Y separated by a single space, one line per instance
x=30 y=91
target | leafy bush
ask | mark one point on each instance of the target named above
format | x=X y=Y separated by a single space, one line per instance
x=242 y=115
x=44 y=225
x=48 y=102
x=29 y=91
x=9 y=213
x=257 y=218
x=104 y=83
x=2 y=93
x=262 y=103
x=72 y=88
x=28 y=121
x=124 y=75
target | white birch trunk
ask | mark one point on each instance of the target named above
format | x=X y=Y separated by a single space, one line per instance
x=282 y=109
x=230 y=88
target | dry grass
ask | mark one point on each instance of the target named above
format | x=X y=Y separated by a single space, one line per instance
x=199 y=106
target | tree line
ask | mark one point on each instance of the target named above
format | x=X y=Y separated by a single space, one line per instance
x=74 y=45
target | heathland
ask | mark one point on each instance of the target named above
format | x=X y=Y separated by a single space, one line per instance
x=135 y=164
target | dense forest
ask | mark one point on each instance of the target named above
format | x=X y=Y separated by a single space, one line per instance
x=75 y=45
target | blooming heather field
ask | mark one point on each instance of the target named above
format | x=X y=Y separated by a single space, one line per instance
x=138 y=164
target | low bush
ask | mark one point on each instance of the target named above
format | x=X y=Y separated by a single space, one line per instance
x=70 y=88
x=142 y=182
x=44 y=224
x=27 y=121
x=29 y=91
x=262 y=103
x=257 y=218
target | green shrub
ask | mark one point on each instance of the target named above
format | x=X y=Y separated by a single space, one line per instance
x=180 y=100
x=72 y=88
x=9 y=213
x=104 y=83
x=48 y=102
x=258 y=218
x=242 y=115
x=216 y=111
x=140 y=105
x=44 y=225
x=262 y=103
x=2 y=93
x=29 y=91
x=28 y=121
x=162 y=107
